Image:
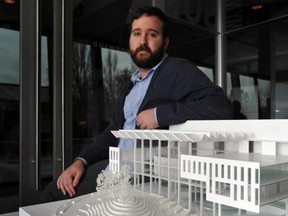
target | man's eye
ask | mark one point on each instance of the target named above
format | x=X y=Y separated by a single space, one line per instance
x=153 y=35
x=136 y=34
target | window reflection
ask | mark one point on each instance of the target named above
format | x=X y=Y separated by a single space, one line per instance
x=10 y=96
x=281 y=107
x=264 y=98
x=117 y=69
x=9 y=115
x=248 y=97
x=9 y=56
x=208 y=72
x=97 y=81
x=260 y=52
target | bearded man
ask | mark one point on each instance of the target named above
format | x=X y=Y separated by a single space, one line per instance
x=163 y=91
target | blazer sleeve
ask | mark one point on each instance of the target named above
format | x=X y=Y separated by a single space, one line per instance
x=99 y=149
x=193 y=96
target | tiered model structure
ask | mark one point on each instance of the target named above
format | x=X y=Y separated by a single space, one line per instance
x=204 y=168
x=211 y=167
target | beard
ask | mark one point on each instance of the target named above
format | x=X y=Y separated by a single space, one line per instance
x=149 y=62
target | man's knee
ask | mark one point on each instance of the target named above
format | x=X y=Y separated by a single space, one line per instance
x=49 y=193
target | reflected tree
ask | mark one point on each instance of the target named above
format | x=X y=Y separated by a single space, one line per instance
x=82 y=88
x=82 y=72
x=114 y=78
x=109 y=77
x=84 y=83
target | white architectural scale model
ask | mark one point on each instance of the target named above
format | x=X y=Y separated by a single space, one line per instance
x=237 y=167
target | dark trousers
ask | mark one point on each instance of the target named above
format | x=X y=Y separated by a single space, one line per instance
x=86 y=185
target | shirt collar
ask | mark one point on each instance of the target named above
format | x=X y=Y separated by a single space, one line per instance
x=136 y=75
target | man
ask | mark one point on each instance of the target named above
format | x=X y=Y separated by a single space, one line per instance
x=163 y=91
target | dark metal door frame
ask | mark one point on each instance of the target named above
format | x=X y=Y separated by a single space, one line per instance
x=30 y=85
x=29 y=100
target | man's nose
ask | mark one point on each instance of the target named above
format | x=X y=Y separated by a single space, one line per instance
x=143 y=40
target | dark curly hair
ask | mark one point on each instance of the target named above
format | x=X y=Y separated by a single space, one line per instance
x=152 y=11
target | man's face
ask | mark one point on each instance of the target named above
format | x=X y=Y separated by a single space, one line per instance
x=146 y=44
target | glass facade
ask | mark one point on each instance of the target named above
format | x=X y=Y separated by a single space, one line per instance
x=257 y=80
x=257 y=59
x=9 y=115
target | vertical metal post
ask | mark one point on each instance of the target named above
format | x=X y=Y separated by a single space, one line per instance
x=62 y=85
x=220 y=60
x=29 y=100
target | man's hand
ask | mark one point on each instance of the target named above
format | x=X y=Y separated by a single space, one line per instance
x=70 y=178
x=146 y=119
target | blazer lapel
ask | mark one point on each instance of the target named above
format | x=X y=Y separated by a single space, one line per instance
x=147 y=96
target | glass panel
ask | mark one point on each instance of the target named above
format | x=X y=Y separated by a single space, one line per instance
x=117 y=69
x=9 y=119
x=96 y=83
x=208 y=72
x=9 y=46
x=281 y=109
x=46 y=117
x=280 y=54
x=199 y=12
x=249 y=97
x=241 y=13
x=44 y=62
x=261 y=53
x=192 y=30
x=83 y=93
x=264 y=97
x=229 y=84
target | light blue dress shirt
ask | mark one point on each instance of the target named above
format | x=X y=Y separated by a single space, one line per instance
x=132 y=103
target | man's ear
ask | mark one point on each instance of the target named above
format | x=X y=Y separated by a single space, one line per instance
x=166 y=42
